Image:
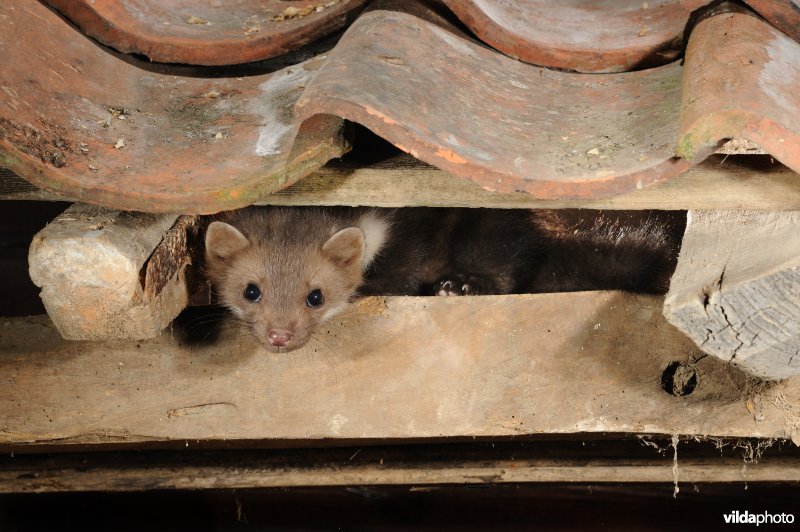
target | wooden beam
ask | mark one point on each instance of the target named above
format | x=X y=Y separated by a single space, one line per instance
x=720 y=182
x=736 y=182
x=565 y=461
x=736 y=289
x=107 y=274
x=401 y=367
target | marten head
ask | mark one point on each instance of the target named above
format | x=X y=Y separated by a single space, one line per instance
x=286 y=271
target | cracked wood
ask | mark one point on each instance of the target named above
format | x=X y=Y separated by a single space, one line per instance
x=735 y=290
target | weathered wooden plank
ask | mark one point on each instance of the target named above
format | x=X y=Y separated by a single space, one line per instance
x=419 y=465
x=736 y=290
x=751 y=182
x=106 y=274
x=735 y=182
x=390 y=368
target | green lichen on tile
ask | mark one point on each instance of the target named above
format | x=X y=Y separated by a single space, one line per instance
x=225 y=197
x=710 y=129
x=7 y=160
x=693 y=143
x=687 y=147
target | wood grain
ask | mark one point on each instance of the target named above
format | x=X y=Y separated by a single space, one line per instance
x=575 y=460
x=736 y=289
x=399 y=367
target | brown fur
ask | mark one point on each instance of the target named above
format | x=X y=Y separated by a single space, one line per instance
x=287 y=253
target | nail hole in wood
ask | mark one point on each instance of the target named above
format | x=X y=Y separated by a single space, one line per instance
x=679 y=379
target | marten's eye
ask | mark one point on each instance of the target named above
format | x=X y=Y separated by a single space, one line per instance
x=252 y=292
x=315 y=298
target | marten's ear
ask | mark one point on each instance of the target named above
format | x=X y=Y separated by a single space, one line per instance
x=223 y=241
x=345 y=247
x=376 y=231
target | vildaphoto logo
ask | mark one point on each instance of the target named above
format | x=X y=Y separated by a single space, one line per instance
x=763 y=518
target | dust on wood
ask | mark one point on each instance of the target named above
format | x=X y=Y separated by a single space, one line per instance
x=420 y=368
x=573 y=459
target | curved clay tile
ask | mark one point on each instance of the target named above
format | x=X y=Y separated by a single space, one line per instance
x=783 y=14
x=80 y=121
x=741 y=79
x=203 y=32
x=579 y=35
x=504 y=124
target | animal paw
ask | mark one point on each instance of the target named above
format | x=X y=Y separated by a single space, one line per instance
x=455 y=287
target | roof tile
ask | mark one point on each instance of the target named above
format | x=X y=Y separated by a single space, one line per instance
x=741 y=80
x=208 y=33
x=77 y=120
x=507 y=125
x=580 y=35
x=783 y=14
x=107 y=129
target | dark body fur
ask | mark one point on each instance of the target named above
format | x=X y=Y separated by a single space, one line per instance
x=636 y=251
x=492 y=248
x=498 y=251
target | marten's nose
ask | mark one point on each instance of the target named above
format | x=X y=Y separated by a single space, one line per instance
x=279 y=338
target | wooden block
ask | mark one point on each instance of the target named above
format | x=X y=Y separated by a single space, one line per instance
x=736 y=290
x=107 y=274
x=399 y=367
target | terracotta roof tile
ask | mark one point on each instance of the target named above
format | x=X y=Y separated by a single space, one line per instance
x=510 y=126
x=208 y=33
x=505 y=124
x=201 y=144
x=741 y=80
x=783 y=14
x=580 y=35
x=78 y=120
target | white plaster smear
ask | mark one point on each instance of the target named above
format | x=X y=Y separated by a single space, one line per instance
x=271 y=107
